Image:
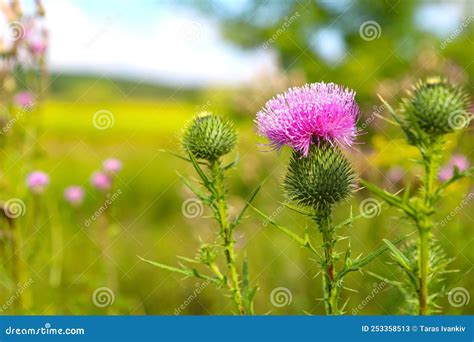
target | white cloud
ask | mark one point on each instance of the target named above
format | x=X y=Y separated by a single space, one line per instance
x=179 y=46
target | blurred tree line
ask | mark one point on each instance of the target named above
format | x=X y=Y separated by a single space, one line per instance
x=308 y=36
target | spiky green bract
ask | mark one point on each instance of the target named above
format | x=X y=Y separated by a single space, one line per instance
x=209 y=137
x=320 y=180
x=436 y=107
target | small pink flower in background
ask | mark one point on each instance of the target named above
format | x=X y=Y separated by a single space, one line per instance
x=112 y=165
x=37 y=47
x=74 y=194
x=459 y=161
x=304 y=116
x=37 y=181
x=395 y=174
x=101 y=181
x=24 y=99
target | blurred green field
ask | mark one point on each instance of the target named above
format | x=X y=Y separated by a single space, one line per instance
x=148 y=219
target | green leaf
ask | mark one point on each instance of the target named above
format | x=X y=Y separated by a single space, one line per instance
x=247 y=204
x=304 y=242
x=248 y=292
x=207 y=183
x=232 y=164
x=184 y=271
x=201 y=195
x=193 y=261
x=298 y=210
x=287 y=231
x=358 y=264
x=350 y=220
x=179 y=156
x=389 y=198
x=457 y=175
x=398 y=255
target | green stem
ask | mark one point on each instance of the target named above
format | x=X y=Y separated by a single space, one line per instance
x=425 y=240
x=226 y=233
x=330 y=289
x=424 y=224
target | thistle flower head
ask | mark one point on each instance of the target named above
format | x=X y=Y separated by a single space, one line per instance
x=37 y=181
x=322 y=179
x=457 y=161
x=74 y=194
x=112 y=165
x=101 y=181
x=436 y=107
x=303 y=116
x=209 y=137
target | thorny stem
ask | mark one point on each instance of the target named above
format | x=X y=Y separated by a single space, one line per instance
x=424 y=224
x=226 y=233
x=330 y=289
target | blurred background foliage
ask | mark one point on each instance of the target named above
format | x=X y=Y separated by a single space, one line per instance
x=323 y=43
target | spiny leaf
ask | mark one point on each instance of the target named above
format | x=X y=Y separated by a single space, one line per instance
x=179 y=156
x=207 y=183
x=244 y=209
x=287 y=231
x=232 y=164
x=389 y=198
x=183 y=271
x=359 y=263
x=201 y=195
x=398 y=255
x=298 y=210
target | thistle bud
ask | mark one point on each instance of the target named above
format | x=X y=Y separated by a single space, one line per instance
x=207 y=254
x=322 y=179
x=437 y=107
x=209 y=137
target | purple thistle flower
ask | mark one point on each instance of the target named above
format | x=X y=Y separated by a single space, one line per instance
x=306 y=115
x=74 y=194
x=101 y=181
x=112 y=165
x=37 y=181
x=459 y=161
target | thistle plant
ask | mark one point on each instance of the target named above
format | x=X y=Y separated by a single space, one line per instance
x=433 y=109
x=316 y=121
x=206 y=139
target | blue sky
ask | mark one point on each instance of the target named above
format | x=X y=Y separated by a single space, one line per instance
x=163 y=41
